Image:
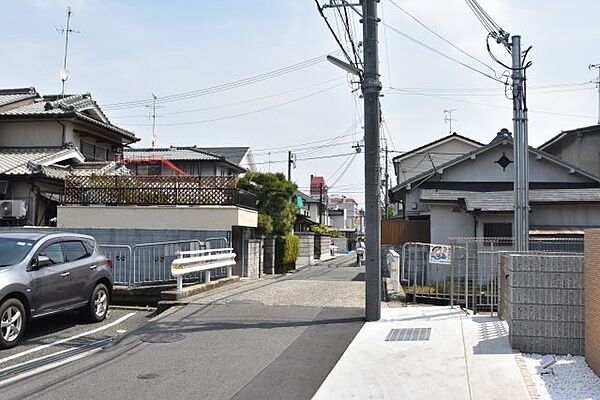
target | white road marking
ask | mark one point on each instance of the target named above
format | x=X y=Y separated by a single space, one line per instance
x=48 y=367
x=45 y=346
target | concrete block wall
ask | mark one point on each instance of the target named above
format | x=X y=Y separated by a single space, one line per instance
x=591 y=277
x=307 y=248
x=253 y=258
x=269 y=255
x=325 y=247
x=542 y=301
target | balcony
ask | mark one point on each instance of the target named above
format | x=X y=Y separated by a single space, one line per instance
x=156 y=191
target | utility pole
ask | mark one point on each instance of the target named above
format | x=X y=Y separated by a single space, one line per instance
x=371 y=86
x=520 y=151
x=448 y=118
x=291 y=162
x=320 y=204
x=387 y=184
x=597 y=66
x=64 y=72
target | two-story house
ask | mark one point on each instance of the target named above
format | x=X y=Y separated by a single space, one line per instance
x=41 y=139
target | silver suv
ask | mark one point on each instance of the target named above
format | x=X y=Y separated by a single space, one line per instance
x=43 y=274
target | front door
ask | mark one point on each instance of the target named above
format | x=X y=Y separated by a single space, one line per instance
x=52 y=289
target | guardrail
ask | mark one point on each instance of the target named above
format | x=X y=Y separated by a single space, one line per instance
x=196 y=261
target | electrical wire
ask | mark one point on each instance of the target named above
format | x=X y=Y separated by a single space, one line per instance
x=221 y=87
x=420 y=43
x=244 y=113
x=332 y=31
x=443 y=38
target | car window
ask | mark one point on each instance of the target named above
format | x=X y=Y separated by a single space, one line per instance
x=54 y=252
x=74 y=250
x=13 y=250
x=90 y=245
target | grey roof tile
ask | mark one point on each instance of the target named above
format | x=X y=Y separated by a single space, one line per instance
x=22 y=160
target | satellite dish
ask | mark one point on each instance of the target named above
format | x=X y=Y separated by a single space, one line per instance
x=64 y=74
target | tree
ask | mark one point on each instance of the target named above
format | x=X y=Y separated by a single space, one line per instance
x=276 y=211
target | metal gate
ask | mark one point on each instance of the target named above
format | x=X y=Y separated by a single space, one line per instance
x=472 y=279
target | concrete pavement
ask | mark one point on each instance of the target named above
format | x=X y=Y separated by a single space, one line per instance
x=467 y=357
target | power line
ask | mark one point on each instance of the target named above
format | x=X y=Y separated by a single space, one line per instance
x=442 y=38
x=408 y=92
x=250 y=100
x=224 y=86
x=420 y=43
x=244 y=113
x=307 y=158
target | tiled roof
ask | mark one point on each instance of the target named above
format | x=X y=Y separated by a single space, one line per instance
x=29 y=160
x=100 y=168
x=9 y=96
x=80 y=106
x=233 y=154
x=504 y=201
x=172 y=154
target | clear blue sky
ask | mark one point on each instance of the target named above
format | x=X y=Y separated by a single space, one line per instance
x=129 y=49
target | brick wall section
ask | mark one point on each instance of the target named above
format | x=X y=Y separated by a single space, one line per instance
x=269 y=255
x=592 y=298
x=542 y=301
x=325 y=247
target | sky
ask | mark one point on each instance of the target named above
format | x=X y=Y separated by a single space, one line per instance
x=128 y=50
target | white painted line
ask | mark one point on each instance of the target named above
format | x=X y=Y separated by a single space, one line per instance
x=48 y=356
x=48 y=367
x=45 y=346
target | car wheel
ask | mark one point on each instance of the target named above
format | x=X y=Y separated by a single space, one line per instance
x=97 y=308
x=12 y=323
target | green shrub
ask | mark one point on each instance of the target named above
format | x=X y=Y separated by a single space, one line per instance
x=287 y=249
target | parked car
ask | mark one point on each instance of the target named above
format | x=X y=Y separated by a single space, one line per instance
x=47 y=273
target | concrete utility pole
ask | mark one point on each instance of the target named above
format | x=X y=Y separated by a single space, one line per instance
x=597 y=66
x=371 y=86
x=520 y=151
x=386 y=185
x=290 y=163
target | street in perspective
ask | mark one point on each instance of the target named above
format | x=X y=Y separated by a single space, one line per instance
x=328 y=199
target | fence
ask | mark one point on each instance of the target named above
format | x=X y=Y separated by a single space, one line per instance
x=472 y=279
x=150 y=263
x=399 y=231
x=156 y=190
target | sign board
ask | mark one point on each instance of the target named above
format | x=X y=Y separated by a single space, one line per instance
x=440 y=254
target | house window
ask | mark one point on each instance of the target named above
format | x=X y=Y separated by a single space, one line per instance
x=94 y=152
x=497 y=230
x=154 y=169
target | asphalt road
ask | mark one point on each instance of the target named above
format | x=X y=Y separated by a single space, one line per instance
x=230 y=347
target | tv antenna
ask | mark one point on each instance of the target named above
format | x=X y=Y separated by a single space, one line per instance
x=153 y=115
x=448 y=118
x=64 y=72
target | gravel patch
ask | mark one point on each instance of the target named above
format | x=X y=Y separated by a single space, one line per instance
x=572 y=378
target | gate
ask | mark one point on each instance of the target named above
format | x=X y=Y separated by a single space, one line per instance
x=472 y=279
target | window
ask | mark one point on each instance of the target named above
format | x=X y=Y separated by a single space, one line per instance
x=499 y=230
x=90 y=245
x=54 y=252
x=95 y=152
x=75 y=250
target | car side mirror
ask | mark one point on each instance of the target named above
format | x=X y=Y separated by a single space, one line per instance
x=40 y=261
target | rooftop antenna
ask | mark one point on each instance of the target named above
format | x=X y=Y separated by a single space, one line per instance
x=64 y=72
x=448 y=118
x=153 y=116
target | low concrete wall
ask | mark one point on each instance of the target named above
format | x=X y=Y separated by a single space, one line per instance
x=542 y=301
x=156 y=217
x=592 y=298
x=325 y=246
x=307 y=248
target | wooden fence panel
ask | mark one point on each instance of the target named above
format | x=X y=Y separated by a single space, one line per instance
x=399 y=231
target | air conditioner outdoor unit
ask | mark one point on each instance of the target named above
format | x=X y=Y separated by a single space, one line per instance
x=13 y=209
